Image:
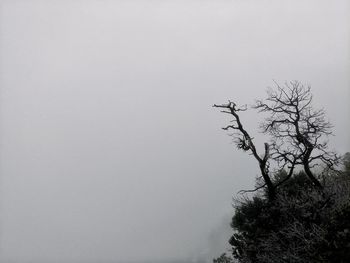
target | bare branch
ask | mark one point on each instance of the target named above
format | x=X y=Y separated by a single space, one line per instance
x=253 y=190
x=245 y=142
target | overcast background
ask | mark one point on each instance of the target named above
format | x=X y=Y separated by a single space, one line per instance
x=109 y=148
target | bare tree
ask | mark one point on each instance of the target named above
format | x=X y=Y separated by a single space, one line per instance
x=298 y=133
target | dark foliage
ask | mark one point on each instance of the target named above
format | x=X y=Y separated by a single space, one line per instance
x=303 y=223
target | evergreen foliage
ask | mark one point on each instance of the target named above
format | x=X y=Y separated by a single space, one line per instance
x=303 y=223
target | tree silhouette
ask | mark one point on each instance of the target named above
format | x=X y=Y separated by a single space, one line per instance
x=298 y=131
x=295 y=216
x=298 y=134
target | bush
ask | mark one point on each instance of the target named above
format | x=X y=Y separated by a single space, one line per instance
x=303 y=223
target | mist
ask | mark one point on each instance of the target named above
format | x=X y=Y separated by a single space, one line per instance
x=110 y=149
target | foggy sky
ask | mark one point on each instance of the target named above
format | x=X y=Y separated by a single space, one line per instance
x=109 y=148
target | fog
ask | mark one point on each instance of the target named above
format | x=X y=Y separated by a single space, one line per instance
x=110 y=150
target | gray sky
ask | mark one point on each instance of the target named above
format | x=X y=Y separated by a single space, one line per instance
x=109 y=147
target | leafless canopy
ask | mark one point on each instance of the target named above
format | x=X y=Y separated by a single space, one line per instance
x=298 y=133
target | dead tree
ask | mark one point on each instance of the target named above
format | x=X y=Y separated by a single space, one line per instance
x=245 y=142
x=298 y=134
x=298 y=131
